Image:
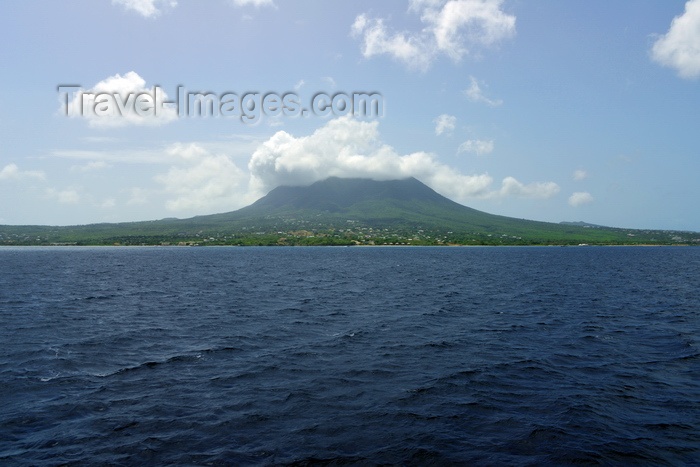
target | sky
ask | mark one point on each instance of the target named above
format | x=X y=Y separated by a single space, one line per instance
x=537 y=109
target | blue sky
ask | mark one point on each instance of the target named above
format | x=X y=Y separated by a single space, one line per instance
x=545 y=110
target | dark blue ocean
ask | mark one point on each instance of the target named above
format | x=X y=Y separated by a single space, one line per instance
x=344 y=356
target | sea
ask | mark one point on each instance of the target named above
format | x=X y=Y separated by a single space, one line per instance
x=349 y=356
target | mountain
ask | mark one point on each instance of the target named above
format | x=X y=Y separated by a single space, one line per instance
x=394 y=202
x=344 y=211
x=340 y=194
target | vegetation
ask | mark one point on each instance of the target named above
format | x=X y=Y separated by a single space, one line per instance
x=345 y=212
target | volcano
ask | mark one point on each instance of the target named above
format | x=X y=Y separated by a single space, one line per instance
x=344 y=211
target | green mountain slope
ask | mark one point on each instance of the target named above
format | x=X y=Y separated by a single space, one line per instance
x=344 y=211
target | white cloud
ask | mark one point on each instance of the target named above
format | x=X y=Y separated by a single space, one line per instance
x=580 y=198
x=580 y=175
x=451 y=27
x=476 y=146
x=255 y=3
x=445 y=124
x=68 y=196
x=238 y=146
x=202 y=181
x=512 y=187
x=350 y=148
x=403 y=47
x=679 y=48
x=146 y=8
x=475 y=94
x=113 y=102
x=12 y=172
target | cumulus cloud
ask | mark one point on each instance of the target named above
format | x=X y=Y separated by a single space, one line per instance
x=475 y=94
x=347 y=148
x=115 y=102
x=476 y=146
x=444 y=124
x=13 y=172
x=454 y=28
x=200 y=180
x=580 y=198
x=378 y=40
x=679 y=48
x=510 y=187
x=580 y=175
x=146 y=8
